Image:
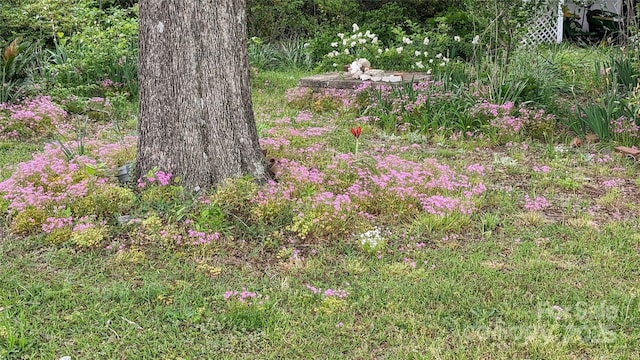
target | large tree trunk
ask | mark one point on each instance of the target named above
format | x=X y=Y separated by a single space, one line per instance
x=196 y=117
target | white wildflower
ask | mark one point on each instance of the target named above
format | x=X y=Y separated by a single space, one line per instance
x=457 y=38
x=362 y=41
x=371 y=238
x=346 y=51
x=476 y=40
x=439 y=56
x=353 y=43
x=379 y=51
x=426 y=41
x=420 y=65
x=341 y=35
x=407 y=41
x=399 y=50
x=334 y=44
x=355 y=27
x=417 y=53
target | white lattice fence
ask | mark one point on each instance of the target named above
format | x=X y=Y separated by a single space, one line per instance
x=545 y=27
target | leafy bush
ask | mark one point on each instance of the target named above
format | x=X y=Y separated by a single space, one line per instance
x=320 y=19
x=273 y=20
x=385 y=16
x=105 y=51
x=386 y=19
x=42 y=19
x=423 y=51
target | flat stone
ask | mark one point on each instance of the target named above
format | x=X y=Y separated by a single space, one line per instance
x=374 y=72
x=345 y=81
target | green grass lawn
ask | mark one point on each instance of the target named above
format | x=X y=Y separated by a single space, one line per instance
x=505 y=282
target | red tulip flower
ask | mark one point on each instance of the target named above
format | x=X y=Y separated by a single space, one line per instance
x=356 y=132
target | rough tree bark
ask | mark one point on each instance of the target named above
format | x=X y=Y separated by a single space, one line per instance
x=196 y=118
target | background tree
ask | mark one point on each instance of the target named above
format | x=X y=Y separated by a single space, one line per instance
x=196 y=116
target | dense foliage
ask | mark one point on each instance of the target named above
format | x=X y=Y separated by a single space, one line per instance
x=273 y=20
x=71 y=48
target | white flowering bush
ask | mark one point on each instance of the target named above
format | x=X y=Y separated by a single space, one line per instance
x=420 y=51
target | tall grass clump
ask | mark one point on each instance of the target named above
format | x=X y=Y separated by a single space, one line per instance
x=283 y=55
x=16 y=58
x=423 y=107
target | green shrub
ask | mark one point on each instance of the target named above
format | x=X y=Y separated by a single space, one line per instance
x=386 y=15
x=415 y=49
x=277 y=20
x=42 y=19
x=99 y=55
x=385 y=20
